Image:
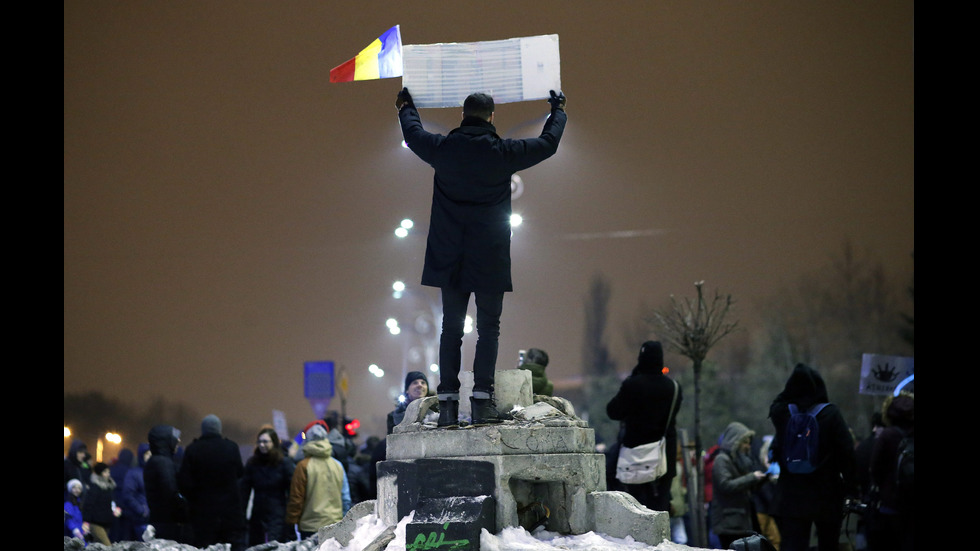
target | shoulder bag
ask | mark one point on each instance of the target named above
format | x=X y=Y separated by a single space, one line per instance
x=646 y=462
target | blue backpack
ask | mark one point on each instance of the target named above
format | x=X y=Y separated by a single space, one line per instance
x=802 y=439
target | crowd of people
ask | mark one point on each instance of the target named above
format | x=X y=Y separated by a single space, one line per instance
x=286 y=490
x=205 y=494
x=753 y=484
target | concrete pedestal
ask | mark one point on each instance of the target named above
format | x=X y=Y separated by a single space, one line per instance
x=542 y=468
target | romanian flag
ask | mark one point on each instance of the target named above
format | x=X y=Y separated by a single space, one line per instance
x=381 y=59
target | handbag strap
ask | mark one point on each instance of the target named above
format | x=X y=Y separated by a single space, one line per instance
x=670 y=415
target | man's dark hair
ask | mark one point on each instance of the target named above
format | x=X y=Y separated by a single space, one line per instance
x=478 y=105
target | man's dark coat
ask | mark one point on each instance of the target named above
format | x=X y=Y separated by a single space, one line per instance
x=468 y=246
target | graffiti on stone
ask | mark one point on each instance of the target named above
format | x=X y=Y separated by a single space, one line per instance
x=436 y=540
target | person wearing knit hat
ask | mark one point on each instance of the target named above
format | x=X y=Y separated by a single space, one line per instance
x=209 y=478
x=643 y=404
x=416 y=386
x=75 y=527
x=211 y=425
x=316 y=432
x=319 y=493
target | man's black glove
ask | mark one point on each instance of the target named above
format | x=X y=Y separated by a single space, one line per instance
x=557 y=101
x=404 y=98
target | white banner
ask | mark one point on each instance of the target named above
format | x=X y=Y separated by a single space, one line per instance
x=882 y=374
x=516 y=69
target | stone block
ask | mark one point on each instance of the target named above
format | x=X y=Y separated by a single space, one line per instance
x=450 y=523
x=343 y=531
x=509 y=438
x=561 y=481
x=619 y=514
x=402 y=484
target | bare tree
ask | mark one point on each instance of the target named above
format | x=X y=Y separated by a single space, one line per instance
x=691 y=328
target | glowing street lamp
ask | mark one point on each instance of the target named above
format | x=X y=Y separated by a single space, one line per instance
x=402 y=230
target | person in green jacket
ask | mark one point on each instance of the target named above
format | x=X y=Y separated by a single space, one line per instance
x=535 y=361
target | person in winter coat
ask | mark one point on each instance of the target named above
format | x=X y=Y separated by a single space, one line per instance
x=803 y=500
x=135 y=510
x=210 y=477
x=535 y=361
x=77 y=462
x=75 y=525
x=892 y=526
x=123 y=463
x=468 y=246
x=98 y=508
x=168 y=507
x=643 y=404
x=319 y=494
x=734 y=478
x=268 y=473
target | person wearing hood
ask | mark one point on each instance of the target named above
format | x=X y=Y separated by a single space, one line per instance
x=735 y=477
x=135 y=510
x=416 y=386
x=319 y=494
x=123 y=463
x=802 y=500
x=210 y=476
x=535 y=361
x=77 y=462
x=892 y=527
x=98 y=507
x=643 y=405
x=468 y=247
x=168 y=508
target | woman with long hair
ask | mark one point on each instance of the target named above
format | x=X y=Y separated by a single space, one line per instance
x=268 y=473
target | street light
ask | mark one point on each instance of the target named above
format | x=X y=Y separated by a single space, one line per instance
x=402 y=230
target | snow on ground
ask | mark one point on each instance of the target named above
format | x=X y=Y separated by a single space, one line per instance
x=510 y=539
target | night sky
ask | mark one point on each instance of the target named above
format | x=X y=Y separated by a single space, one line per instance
x=229 y=211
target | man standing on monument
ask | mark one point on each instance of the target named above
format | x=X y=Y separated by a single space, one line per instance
x=468 y=247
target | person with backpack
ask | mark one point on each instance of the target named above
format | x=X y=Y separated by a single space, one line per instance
x=815 y=451
x=892 y=525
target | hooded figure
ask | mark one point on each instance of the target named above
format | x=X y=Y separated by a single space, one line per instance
x=210 y=474
x=817 y=497
x=319 y=494
x=643 y=406
x=168 y=509
x=76 y=462
x=135 y=510
x=734 y=476
x=894 y=525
